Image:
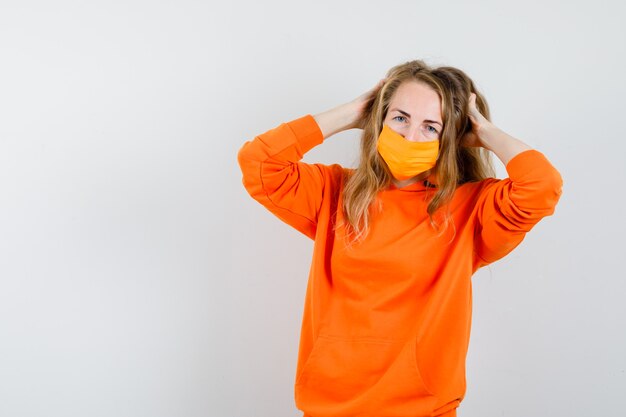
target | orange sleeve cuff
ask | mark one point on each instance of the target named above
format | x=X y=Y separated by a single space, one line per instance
x=308 y=133
x=522 y=164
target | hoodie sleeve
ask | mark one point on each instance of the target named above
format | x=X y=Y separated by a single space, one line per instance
x=274 y=176
x=509 y=208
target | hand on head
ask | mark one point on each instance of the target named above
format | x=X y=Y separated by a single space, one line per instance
x=479 y=122
x=362 y=103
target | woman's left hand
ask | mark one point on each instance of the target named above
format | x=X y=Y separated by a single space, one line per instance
x=479 y=124
x=485 y=134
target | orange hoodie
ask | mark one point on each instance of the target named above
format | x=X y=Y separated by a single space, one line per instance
x=386 y=323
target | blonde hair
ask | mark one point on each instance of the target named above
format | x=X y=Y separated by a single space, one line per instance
x=456 y=164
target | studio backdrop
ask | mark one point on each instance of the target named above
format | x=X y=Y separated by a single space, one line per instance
x=137 y=276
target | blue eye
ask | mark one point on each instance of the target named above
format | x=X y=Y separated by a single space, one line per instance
x=433 y=129
x=400 y=117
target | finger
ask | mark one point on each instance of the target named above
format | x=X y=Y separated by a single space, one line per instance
x=472 y=100
x=473 y=109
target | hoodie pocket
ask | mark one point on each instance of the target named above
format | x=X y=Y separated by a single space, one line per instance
x=362 y=376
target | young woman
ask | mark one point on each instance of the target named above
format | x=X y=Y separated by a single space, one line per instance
x=387 y=315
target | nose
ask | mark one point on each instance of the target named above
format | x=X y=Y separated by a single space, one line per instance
x=413 y=134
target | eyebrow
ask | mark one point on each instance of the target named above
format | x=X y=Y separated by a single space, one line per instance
x=408 y=115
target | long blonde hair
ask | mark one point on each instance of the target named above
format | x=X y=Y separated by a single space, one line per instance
x=456 y=164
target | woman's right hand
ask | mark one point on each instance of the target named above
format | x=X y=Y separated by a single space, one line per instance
x=362 y=103
x=349 y=115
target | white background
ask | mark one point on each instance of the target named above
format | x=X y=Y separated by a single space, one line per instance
x=137 y=277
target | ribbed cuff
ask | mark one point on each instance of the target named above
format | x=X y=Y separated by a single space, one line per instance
x=526 y=162
x=307 y=132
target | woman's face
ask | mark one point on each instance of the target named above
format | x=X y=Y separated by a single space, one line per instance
x=415 y=112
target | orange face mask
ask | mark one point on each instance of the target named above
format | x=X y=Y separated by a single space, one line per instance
x=404 y=158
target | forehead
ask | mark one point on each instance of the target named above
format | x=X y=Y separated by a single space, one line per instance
x=417 y=98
